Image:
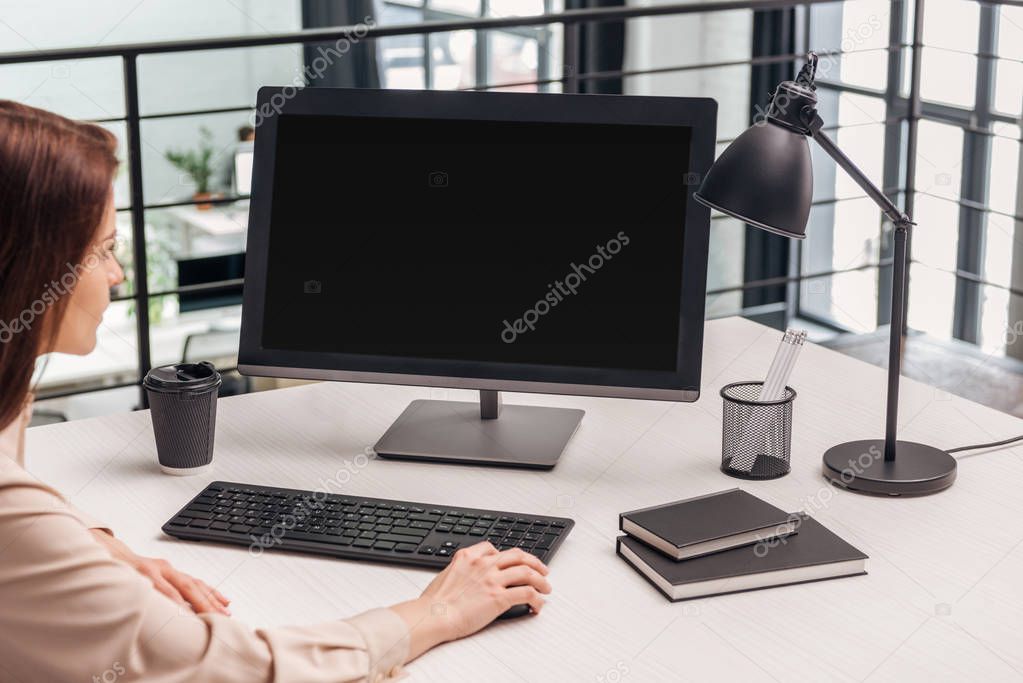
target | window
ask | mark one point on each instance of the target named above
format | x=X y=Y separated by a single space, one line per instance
x=966 y=247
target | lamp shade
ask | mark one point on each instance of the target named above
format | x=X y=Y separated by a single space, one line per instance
x=764 y=177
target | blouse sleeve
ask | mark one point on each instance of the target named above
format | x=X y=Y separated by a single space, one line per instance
x=68 y=611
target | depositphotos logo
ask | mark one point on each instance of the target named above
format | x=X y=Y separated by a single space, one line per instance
x=559 y=290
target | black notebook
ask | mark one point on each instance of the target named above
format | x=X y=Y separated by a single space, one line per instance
x=813 y=554
x=707 y=524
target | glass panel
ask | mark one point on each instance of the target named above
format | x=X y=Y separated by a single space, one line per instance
x=72 y=23
x=401 y=58
x=466 y=7
x=191 y=245
x=122 y=193
x=453 y=60
x=1005 y=169
x=723 y=305
x=939 y=159
x=81 y=406
x=193 y=335
x=216 y=79
x=841 y=235
x=953 y=24
x=847 y=299
x=80 y=89
x=864 y=144
x=221 y=134
x=1010 y=32
x=936 y=236
x=125 y=255
x=1001 y=242
x=729 y=85
x=948 y=77
x=511 y=8
x=653 y=43
x=930 y=293
x=113 y=361
x=727 y=248
x=1001 y=332
x=859 y=29
x=1008 y=86
x=512 y=59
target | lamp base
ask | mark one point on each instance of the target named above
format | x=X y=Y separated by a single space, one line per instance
x=917 y=470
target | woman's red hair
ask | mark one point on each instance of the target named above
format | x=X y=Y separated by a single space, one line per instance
x=55 y=180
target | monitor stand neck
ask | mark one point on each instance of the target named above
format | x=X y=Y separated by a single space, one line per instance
x=490 y=404
x=485 y=434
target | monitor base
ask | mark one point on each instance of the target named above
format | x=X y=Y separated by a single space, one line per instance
x=451 y=431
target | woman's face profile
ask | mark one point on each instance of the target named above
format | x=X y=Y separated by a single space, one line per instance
x=94 y=275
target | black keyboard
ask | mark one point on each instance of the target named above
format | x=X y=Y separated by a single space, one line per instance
x=357 y=528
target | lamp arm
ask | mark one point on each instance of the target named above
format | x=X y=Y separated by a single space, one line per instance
x=894 y=214
x=902 y=224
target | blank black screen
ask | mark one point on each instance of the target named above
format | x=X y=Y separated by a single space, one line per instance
x=459 y=240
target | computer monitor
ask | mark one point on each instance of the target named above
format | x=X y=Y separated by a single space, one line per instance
x=494 y=241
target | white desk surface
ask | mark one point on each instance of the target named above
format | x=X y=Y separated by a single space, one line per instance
x=943 y=599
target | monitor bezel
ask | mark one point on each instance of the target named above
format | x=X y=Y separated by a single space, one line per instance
x=699 y=114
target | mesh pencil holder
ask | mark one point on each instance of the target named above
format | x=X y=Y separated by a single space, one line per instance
x=756 y=436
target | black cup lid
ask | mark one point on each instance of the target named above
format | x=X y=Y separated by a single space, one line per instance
x=183 y=377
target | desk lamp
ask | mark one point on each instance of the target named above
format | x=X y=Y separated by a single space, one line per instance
x=765 y=178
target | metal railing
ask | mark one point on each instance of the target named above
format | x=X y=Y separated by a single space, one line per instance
x=571 y=21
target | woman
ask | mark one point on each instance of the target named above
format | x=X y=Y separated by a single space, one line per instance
x=75 y=602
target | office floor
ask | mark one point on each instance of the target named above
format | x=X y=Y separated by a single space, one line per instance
x=957 y=367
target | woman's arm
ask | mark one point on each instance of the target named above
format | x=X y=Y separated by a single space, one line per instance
x=69 y=611
x=176 y=585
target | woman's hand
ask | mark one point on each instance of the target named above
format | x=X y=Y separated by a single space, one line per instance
x=178 y=586
x=474 y=589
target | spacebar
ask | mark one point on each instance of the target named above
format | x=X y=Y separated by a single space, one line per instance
x=315 y=538
x=332 y=540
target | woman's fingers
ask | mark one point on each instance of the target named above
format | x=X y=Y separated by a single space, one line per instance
x=528 y=595
x=516 y=556
x=215 y=596
x=191 y=591
x=481 y=549
x=161 y=584
x=521 y=575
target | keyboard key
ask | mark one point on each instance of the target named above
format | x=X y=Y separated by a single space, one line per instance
x=444 y=552
x=180 y=521
x=423 y=517
x=383 y=545
x=362 y=543
x=451 y=545
x=405 y=548
x=421 y=525
x=200 y=523
x=477 y=532
x=240 y=528
x=427 y=550
x=220 y=526
x=421 y=533
x=444 y=528
x=400 y=538
x=460 y=530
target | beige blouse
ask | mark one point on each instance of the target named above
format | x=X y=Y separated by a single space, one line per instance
x=71 y=612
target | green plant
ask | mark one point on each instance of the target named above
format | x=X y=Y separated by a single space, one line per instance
x=197 y=163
